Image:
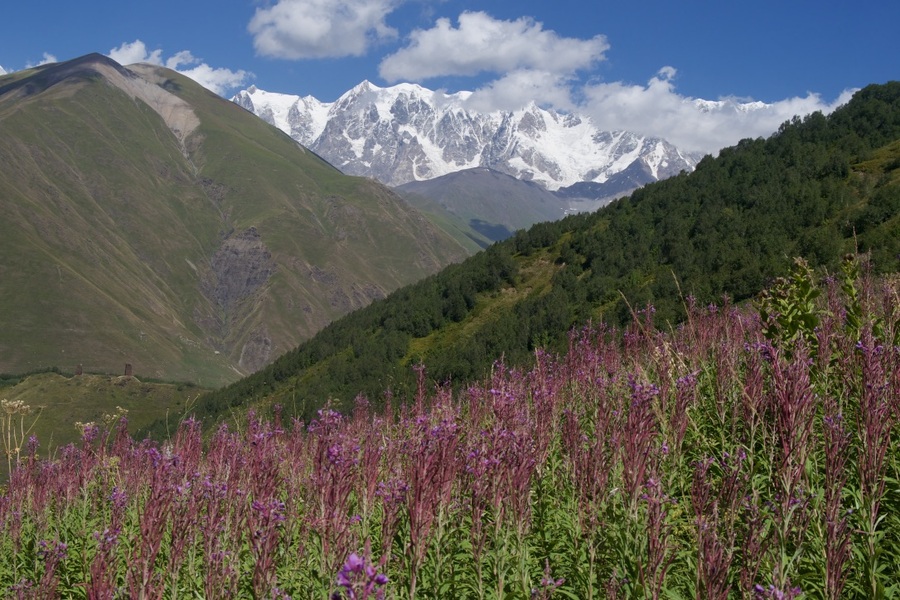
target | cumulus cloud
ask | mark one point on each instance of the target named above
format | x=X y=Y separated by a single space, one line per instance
x=482 y=44
x=135 y=52
x=655 y=109
x=46 y=60
x=218 y=80
x=297 y=29
x=513 y=90
x=692 y=124
x=537 y=65
x=527 y=63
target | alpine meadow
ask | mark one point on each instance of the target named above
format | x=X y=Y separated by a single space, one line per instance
x=345 y=391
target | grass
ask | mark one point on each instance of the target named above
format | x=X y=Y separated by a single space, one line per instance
x=59 y=401
x=885 y=161
x=534 y=275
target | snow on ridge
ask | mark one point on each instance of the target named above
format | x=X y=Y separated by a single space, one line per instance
x=407 y=132
x=277 y=108
x=278 y=105
x=727 y=104
x=318 y=112
x=656 y=158
x=573 y=148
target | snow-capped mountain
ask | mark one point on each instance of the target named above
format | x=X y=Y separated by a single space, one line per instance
x=728 y=105
x=409 y=133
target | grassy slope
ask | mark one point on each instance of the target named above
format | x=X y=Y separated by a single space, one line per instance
x=456 y=226
x=489 y=202
x=58 y=401
x=108 y=225
x=76 y=214
x=362 y=240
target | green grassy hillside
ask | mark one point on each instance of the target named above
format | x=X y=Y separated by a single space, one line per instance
x=57 y=401
x=489 y=204
x=146 y=220
x=819 y=188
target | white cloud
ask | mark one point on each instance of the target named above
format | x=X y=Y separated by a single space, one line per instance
x=692 y=124
x=537 y=65
x=46 y=60
x=483 y=44
x=218 y=80
x=528 y=63
x=297 y=29
x=518 y=88
x=655 y=109
x=135 y=52
x=2 y=70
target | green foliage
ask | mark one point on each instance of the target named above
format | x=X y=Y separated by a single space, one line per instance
x=64 y=400
x=789 y=311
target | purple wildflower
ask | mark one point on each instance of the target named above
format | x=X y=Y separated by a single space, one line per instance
x=774 y=593
x=360 y=579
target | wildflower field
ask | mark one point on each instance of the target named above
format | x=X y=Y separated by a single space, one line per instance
x=751 y=452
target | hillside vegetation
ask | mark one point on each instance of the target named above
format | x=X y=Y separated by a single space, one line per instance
x=820 y=187
x=51 y=404
x=743 y=454
x=145 y=220
x=490 y=204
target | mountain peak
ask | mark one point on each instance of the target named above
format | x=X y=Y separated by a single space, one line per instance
x=142 y=81
x=407 y=133
x=84 y=68
x=362 y=87
x=84 y=65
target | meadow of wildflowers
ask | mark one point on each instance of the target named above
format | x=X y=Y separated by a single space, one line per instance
x=735 y=456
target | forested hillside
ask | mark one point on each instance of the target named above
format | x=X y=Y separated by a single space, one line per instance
x=818 y=188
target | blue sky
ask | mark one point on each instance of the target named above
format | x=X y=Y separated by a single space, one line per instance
x=629 y=65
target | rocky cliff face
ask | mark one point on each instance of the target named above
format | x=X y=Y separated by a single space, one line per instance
x=238 y=270
x=408 y=133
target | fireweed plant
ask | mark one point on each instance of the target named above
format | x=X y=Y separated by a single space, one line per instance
x=751 y=452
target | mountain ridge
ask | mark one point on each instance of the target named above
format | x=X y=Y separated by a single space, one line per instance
x=513 y=204
x=406 y=133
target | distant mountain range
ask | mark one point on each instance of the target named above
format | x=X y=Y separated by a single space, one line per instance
x=145 y=220
x=408 y=133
